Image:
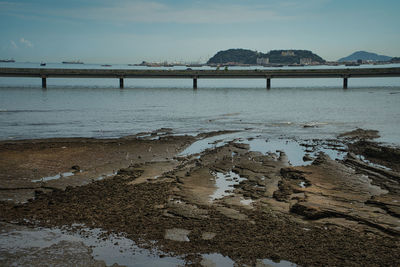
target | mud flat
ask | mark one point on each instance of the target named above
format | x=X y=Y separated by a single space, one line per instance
x=224 y=204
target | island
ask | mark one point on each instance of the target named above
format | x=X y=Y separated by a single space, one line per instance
x=273 y=57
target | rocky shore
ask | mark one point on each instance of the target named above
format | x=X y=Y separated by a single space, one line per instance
x=226 y=199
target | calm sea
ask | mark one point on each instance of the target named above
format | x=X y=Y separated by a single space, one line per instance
x=98 y=108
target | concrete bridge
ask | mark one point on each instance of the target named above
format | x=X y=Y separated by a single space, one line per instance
x=121 y=74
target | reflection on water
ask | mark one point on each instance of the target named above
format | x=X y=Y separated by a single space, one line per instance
x=111 y=249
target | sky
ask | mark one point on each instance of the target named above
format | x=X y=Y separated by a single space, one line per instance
x=132 y=31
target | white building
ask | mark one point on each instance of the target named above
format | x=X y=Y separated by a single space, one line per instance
x=262 y=60
x=305 y=61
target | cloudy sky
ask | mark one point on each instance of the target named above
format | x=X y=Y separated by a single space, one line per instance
x=130 y=31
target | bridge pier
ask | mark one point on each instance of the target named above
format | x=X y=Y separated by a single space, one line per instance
x=268 y=83
x=121 y=83
x=44 y=82
x=194 y=82
x=344 y=82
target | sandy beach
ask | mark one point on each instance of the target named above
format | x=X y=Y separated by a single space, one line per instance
x=255 y=208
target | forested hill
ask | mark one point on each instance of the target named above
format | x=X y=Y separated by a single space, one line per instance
x=245 y=56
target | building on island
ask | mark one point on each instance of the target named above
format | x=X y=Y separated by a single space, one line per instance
x=262 y=61
x=288 y=53
x=305 y=61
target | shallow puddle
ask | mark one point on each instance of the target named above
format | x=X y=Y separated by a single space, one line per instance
x=216 y=259
x=302 y=184
x=219 y=260
x=246 y=201
x=104 y=176
x=293 y=150
x=281 y=263
x=336 y=154
x=54 y=177
x=375 y=165
x=207 y=143
x=177 y=234
x=225 y=184
x=26 y=243
x=373 y=189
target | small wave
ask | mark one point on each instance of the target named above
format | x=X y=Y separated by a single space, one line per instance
x=230 y=114
x=44 y=124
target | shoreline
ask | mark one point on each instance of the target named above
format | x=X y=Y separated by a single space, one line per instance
x=222 y=199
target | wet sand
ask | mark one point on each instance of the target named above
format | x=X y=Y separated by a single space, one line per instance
x=228 y=199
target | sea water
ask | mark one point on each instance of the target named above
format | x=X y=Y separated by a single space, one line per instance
x=98 y=108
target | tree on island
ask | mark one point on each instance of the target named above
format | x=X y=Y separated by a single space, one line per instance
x=242 y=56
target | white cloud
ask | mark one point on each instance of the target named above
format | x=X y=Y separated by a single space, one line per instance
x=13 y=44
x=26 y=42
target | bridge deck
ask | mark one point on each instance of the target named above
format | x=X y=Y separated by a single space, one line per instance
x=201 y=74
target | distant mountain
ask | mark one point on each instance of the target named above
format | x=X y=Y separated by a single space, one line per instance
x=395 y=60
x=365 y=56
x=245 y=56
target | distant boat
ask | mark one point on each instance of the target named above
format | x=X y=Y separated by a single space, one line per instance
x=7 y=60
x=106 y=65
x=42 y=64
x=72 y=62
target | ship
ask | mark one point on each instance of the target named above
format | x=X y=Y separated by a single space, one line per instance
x=7 y=60
x=72 y=62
